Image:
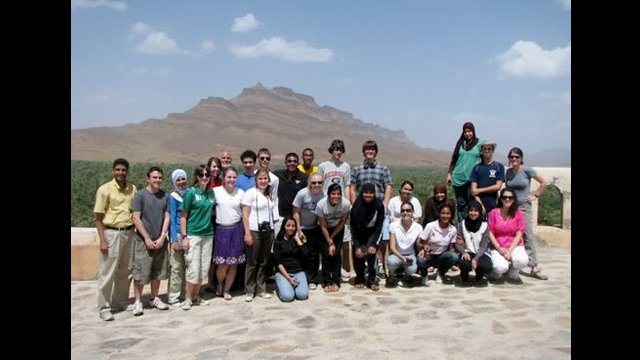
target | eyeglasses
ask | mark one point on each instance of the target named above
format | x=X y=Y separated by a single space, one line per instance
x=268 y=158
x=405 y=210
x=203 y=175
x=291 y=161
x=514 y=157
x=505 y=197
x=316 y=182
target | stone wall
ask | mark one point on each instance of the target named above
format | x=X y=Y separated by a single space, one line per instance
x=561 y=178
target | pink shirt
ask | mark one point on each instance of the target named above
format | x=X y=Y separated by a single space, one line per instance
x=505 y=230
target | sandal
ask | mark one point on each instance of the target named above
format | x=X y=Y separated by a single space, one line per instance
x=538 y=274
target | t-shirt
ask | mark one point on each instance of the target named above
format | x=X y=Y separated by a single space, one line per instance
x=307 y=202
x=335 y=174
x=438 y=238
x=396 y=203
x=332 y=214
x=405 y=240
x=152 y=208
x=198 y=205
x=520 y=182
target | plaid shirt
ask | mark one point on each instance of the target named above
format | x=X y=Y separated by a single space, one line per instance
x=376 y=173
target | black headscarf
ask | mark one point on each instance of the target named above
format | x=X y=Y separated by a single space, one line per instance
x=364 y=211
x=473 y=225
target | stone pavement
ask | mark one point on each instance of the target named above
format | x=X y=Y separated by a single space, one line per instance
x=444 y=321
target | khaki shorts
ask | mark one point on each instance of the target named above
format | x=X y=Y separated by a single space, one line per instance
x=149 y=264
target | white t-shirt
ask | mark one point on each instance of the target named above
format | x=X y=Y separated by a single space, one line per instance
x=332 y=174
x=228 y=209
x=307 y=202
x=437 y=237
x=262 y=208
x=396 y=203
x=405 y=240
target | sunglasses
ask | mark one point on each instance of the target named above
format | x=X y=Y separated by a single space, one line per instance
x=291 y=161
x=268 y=158
x=203 y=175
x=405 y=210
x=506 y=197
x=316 y=182
x=514 y=157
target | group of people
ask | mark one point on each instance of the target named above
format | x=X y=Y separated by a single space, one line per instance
x=303 y=225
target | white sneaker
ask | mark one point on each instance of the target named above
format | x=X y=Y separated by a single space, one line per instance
x=438 y=279
x=344 y=273
x=186 y=304
x=106 y=315
x=424 y=281
x=159 y=304
x=137 y=308
x=313 y=286
x=248 y=297
x=265 y=295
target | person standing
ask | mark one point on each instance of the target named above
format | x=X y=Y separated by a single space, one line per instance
x=487 y=178
x=114 y=226
x=518 y=178
x=374 y=172
x=151 y=218
x=247 y=180
x=197 y=235
x=336 y=171
x=466 y=154
x=176 y=275
x=307 y=166
x=291 y=180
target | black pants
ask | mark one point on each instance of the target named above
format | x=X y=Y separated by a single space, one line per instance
x=484 y=267
x=312 y=261
x=331 y=265
x=358 y=264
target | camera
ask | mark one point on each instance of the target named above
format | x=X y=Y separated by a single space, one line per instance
x=264 y=226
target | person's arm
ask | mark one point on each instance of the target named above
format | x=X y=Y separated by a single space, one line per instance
x=484 y=244
x=372 y=241
x=393 y=247
x=104 y=246
x=184 y=216
x=327 y=237
x=296 y=217
x=246 y=211
x=353 y=193
x=340 y=226
x=520 y=224
x=387 y=195
x=137 y=221
x=163 y=233
x=539 y=191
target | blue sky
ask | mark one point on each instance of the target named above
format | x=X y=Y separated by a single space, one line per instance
x=422 y=66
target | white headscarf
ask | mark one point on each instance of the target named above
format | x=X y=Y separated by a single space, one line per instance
x=174 y=177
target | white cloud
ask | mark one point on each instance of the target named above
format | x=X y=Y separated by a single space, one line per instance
x=245 y=23
x=139 y=28
x=207 y=47
x=528 y=59
x=566 y=4
x=155 y=42
x=117 y=5
x=296 y=51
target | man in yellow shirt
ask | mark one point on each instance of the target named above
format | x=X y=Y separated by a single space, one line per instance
x=114 y=224
x=307 y=166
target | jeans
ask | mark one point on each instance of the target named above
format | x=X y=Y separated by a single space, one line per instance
x=394 y=262
x=287 y=292
x=484 y=267
x=463 y=196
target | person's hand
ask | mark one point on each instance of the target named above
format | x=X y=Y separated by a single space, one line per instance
x=293 y=281
x=104 y=248
x=248 y=239
x=185 y=244
x=449 y=179
x=332 y=249
x=150 y=244
x=175 y=246
x=359 y=254
x=466 y=256
x=372 y=250
x=474 y=264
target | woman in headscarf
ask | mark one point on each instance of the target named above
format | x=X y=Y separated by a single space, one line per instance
x=466 y=154
x=473 y=233
x=367 y=215
x=176 y=278
x=433 y=204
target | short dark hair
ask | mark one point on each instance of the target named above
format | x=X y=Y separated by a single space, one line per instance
x=248 y=154
x=155 y=168
x=370 y=144
x=120 y=161
x=308 y=149
x=336 y=144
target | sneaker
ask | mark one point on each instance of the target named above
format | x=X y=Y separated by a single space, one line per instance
x=313 y=286
x=176 y=304
x=344 y=273
x=200 y=302
x=159 y=304
x=123 y=307
x=137 y=308
x=106 y=315
x=424 y=281
x=248 y=297
x=265 y=295
x=438 y=279
x=186 y=304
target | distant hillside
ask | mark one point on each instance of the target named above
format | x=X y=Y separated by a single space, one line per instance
x=549 y=157
x=278 y=118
